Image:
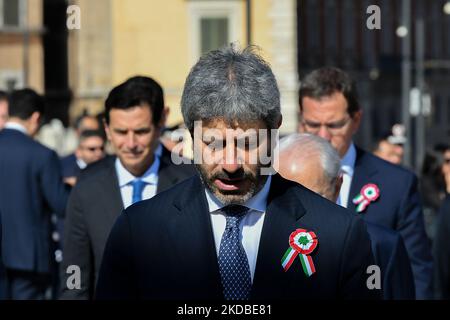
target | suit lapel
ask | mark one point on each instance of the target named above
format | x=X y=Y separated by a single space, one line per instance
x=283 y=216
x=194 y=243
x=167 y=173
x=110 y=192
x=362 y=175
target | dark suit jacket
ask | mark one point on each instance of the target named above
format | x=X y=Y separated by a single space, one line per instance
x=391 y=256
x=70 y=166
x=441 y=250
x=398 y=208
x=163 y=248
x=3 y=288
x=94 y=205
x=31 y=188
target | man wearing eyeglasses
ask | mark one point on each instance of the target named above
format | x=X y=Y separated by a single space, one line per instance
x=330 y=109
x=91 y=148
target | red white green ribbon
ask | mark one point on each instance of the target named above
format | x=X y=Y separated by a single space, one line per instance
x=301 y=244
x=369 y=193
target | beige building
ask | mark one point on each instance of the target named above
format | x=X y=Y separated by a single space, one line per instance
x=164 y=38
x=21 y=50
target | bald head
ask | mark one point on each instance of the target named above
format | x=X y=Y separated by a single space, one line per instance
x=311 y=161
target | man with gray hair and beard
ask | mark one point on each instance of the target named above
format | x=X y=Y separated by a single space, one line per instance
x=312 y=161
x=233 y=231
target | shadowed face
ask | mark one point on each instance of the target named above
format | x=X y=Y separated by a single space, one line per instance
x=329 y=119
x=91 y=149
x=390 y=152
x=231 y=166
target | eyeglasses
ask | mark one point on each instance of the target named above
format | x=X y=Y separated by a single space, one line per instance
x=332 y=127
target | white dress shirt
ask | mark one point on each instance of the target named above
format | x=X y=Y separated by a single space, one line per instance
x=347 y=169
x=16 y=126
x=81 y=164
x=150 y=177
x=251 y=224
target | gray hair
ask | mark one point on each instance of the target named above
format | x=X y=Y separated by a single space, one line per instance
x=231 y=84
x=301 y=145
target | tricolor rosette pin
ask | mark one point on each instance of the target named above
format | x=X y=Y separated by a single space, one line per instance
x=369 y=193
x=301 y=243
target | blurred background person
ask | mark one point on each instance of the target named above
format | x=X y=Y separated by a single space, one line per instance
x=441 y=247
x=86 y=122
x=433 y=185
x=91 y=148
x=31 y=188
x=390 y=146
x=134 y=118
x=312 y=162
x=3 y=109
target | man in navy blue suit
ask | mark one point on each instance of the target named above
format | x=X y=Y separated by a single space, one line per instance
x=314 y=163
x=31 y=188
x=379 y=191
x=235 y=231
x=91 y=148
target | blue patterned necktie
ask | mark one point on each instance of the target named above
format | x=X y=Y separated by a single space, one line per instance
x=233 y=263
x=138 y=187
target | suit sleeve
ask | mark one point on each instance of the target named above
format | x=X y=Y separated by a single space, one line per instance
x=441 y=249
x=55 y=191
x=399 y=274
x=356 y=258
x=77 y=251
x=116 y=279
x=411 y=227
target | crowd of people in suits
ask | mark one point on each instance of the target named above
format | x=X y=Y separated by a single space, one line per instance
x=137 y=225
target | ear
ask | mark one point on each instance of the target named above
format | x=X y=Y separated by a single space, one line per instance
x=164 y=117
x=280 y=121
x=357 y=116
x=107 y=130
x=35 y=117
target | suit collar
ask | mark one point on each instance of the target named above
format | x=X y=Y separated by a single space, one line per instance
x=110 y=188
x=168 y=174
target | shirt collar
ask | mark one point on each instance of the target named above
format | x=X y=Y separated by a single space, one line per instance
x=81 y=164
x=150 y=176
x=349 y=159
x=16 y=126
x=258 y=202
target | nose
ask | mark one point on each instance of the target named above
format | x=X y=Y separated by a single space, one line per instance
x=131 y=140
x=231 y=164
x=324 y=133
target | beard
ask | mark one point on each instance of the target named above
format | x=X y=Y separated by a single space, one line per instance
x=227 y=197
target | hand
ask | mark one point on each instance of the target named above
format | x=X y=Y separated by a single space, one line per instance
x=70 y=181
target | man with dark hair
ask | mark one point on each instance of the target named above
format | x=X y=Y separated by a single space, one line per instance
x=225 y=233
x=134 y=118
x=91 y=148
x=3 y=109
x=379 y=191
x=31 y=188
x=86 y=122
